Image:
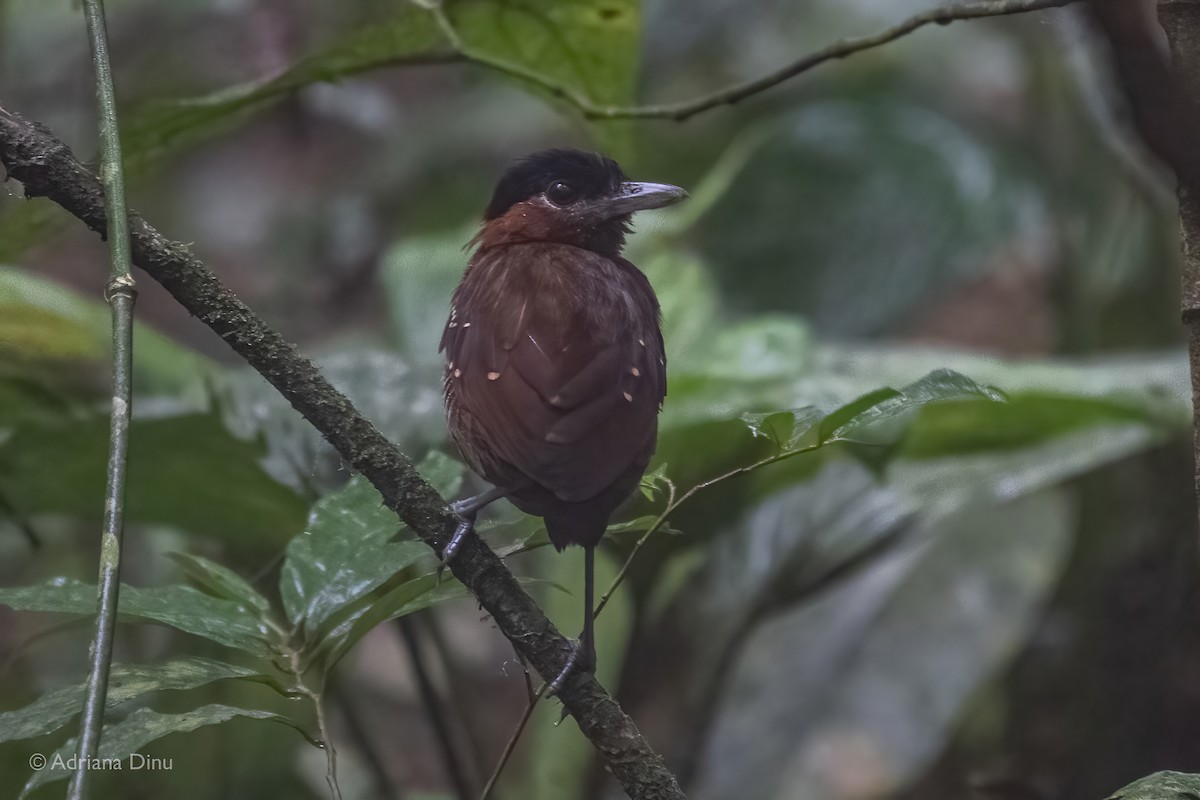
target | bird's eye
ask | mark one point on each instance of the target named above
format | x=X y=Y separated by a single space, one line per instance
x=560 y=193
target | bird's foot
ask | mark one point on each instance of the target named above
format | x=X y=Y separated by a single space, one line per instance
x=582 y=661
x=466 y=524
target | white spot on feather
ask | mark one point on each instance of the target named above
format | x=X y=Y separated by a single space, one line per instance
x=493 y=376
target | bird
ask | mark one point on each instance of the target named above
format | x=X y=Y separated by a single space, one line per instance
x=556 y=369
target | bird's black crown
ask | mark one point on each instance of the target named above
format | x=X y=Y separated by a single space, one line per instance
x=585 y=175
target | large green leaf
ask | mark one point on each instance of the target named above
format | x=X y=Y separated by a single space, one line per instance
x=402 y=403
x=222 y=582
x=185 y=471
x=420 y=275
x=974 y=425
x=181 y=607
x=57 y=707
x=1163 y=785
x=349 y=547
x=851 y=695
x=44 y=321
x=124 y=739
x=589 y=46
x=1154 y=378
x=936 y=196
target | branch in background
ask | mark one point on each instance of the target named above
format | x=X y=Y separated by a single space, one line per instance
x=47 y=168
x=347 y=704
x=943 y=15
x=120 y=293
x=1166 y=115
x=434 y=710
x=1162 y=90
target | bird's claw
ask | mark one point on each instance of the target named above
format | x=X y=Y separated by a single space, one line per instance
x=465 y=526
x=578 y=663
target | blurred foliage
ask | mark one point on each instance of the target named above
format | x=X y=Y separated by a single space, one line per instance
x=1161 y=786
x=882 y=526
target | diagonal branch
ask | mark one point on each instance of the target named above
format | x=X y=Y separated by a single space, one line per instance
x=680 y=111
x=47 y=168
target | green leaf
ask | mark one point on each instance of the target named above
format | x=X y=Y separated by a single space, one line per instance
x=1159 y=379
x=349 y=547
x=221 y=582
x=407 y=598
x=888 y=164
x=881 y=666
x=43 y=321
x=785 y=429
x=404 y=405
x=419 y=276
x=972 y=426
x=125 y=738
x=944 y=485
x=589 y=46
x=652 y=482
x=1163 y=785
x=181 y=607
x=28 y=398
x=57 y=707
x=156 y=126
x=689 y=299
x=186 y=471
x=403 y=598
x=852 y=421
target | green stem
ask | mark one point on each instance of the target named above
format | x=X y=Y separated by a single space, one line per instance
x=674 y=504
x=317 y=698
x=120 y=293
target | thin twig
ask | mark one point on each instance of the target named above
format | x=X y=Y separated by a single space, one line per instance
x=512 y=741
x=673 y=505
x=457 y=690
x=47 y=168
x=680 y=111
x=120 y=293
x=432 y=702
x=317 y=698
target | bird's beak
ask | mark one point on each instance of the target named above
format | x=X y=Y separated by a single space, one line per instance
x=634 y=196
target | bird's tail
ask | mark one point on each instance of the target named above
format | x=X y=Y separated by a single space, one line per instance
x=578 y=527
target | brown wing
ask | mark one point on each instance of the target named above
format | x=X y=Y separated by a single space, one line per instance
x=556 y=368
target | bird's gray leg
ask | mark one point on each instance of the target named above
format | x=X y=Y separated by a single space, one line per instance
x=583 y=654
x=467 y=510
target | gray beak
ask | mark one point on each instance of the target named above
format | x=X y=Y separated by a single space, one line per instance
x=634 y=196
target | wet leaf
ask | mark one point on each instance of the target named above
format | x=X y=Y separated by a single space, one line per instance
x=352 y=545
x=180 y=607
x=44 y=321
x=185 y=471
x=850 y=696
x=1163 y=785
x=222 y=582
x=852 y=422
x=652 y=483
x=57 y=707
x=785 y=429
x=586 y=45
